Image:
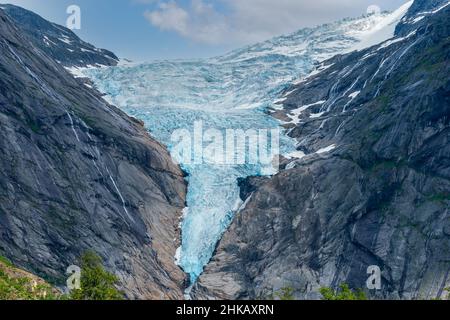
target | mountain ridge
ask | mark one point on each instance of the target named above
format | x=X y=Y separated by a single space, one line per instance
x=57 y=41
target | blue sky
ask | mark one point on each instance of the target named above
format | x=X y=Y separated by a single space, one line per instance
x=169 y=29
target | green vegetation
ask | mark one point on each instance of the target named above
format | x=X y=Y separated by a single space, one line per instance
x=445 y=297
x=5 y=261
x=16 y=284
x=96 y=282
x=344 y=293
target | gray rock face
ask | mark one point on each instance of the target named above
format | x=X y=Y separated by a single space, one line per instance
x=77 y=174
x=373 y=188
x=58 y=42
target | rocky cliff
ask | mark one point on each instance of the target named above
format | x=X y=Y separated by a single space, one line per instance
x=58 y=42
x=373 y=187
x=77 y=174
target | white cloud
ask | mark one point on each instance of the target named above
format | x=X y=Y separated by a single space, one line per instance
x=170 y=17
x=200 y=22
x=249 y=21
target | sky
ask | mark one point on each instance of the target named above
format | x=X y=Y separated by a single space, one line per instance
x=144 y=30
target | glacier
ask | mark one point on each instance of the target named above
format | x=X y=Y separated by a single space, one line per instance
x=233 y=91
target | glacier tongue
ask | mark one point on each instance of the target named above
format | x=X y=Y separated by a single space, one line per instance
x=228 y=92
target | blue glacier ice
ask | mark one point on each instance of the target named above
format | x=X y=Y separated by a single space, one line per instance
x=227 y=92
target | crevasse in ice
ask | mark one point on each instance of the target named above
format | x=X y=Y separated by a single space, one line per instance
x=227 y=92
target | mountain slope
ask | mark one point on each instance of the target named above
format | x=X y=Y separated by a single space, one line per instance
x=373 y=187
x=58 y=42
x=77 y=174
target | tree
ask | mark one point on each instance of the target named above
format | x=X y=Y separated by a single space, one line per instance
x=344 y=293
x=96 y=283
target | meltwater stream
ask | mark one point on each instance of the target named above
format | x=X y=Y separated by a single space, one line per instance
x=228 y=92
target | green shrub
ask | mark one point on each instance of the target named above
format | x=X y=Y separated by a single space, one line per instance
x=344 y=293
x=5 y=261
x=16 y=284
x=96 y=282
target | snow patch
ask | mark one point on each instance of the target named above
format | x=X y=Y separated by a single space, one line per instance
x=65 y=39
x=295 y=154
x=291 y=165
x=354 y=94
x=48 y=42
x=417 y=19
x=87 y=50
x=436 y=10
x=80 y=72
x=400 y=39
x=327 y=149
x=178 y=257
x=316 y=115
x=295 y=114
x=384 y=30
x=76 y=72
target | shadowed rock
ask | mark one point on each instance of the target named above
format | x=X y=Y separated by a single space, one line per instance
x=78 y=174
